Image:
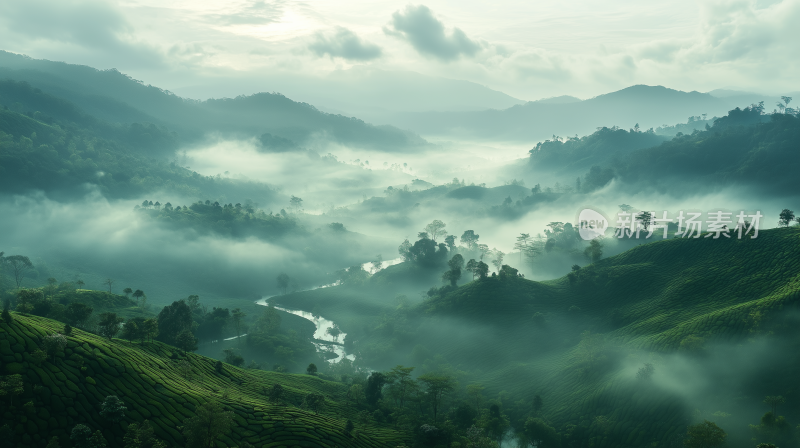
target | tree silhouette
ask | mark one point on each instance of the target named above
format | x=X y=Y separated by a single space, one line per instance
x=704 y=435
x=283 y=282
x=437 y=387
x=19 y=266
x=296 y=203
x=786 y=217
x=469 y=238
x=209 y=423
x=436 y=228
x=774 y=401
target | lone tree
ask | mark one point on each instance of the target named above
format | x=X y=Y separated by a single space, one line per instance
x=208 y=424
x=275 y=393
x=80 y=436
x=594 y=252
x=98 y=440
x=113 y=409
x=296 y=203
x=454 y=274
x=18 y=266
x=436 y=228
x=78 y=313
x=482 y=269
x=237 y=316
x=437 y=387
x=704 y=435
x=404 y=385
x=12 y=386
x=472 y=267
x=283 y=282
x=186 y=341
x=348 y=427
x=138 y=294
x=54 y=344
x=109 y=325
x=7 y=318
x=646 y=372
x=356 y=393
x=233 y=358
x=127 y=292
x=450 y=240
x=334 y=332
x=315 y=401
x=108 y=282
x=786 y=217
x=469 y=238
x=498 y=259
x=645 y=218
x=142 y=436
x=774 y=401
x=522 y=244
x=311 y=369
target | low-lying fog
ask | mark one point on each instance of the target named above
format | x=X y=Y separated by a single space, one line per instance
x=348 y=186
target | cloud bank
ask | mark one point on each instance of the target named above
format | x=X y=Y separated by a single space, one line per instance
x=345 y=44
x=427 y=34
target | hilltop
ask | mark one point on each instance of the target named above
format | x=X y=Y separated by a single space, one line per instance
x=159 y=383
x=115 y=97
x=649 y=106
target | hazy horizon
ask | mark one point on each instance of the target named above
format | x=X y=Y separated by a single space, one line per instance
x=526 y=51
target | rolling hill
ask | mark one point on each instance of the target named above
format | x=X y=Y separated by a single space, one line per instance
x=115 y=97
x=60 y=393
x=667 y=303
x=649 y=106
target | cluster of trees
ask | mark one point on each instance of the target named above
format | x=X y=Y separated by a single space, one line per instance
x=428 y=253
x=234 y=220
x=183 y=324
x=439 y=411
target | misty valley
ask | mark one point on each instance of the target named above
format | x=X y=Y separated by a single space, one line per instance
x=467 y=270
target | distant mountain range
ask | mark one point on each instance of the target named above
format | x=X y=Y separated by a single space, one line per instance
x=649 y=106
x=117 y=98
x=364 y=92
x=408 y=105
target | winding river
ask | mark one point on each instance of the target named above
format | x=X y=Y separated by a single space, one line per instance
x=322 y=325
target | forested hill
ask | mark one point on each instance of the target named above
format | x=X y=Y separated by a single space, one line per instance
x=744 y=147
x=683 y=307
x=116 y=97
x=162 y=388
x=51 y=144
x=649 y=106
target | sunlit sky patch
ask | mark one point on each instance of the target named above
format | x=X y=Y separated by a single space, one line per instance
x=529 y=50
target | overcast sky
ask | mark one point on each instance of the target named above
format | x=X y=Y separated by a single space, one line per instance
x=528 y=49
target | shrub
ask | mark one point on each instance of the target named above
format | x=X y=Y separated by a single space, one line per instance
x=113 y=408
x=80 y=436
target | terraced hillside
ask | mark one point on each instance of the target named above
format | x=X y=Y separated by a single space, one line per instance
x=727 y=307
x=154 y=383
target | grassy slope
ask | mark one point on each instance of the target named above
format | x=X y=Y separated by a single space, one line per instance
x=146 y=378
x=647 y=299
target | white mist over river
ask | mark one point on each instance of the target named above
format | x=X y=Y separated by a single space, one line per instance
x=322 y=325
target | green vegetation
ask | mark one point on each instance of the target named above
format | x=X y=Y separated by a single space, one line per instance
x=49 y=144
x=229 y=220
x=678 y=297
x=116 y=97
x=76 y=388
